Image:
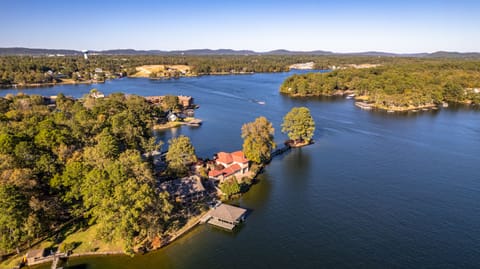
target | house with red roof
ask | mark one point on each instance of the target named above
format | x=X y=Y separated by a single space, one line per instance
x=229 y=164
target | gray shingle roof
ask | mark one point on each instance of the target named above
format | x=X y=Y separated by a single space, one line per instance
x=228 y=212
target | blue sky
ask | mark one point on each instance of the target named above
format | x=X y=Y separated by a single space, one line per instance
x=337 y=25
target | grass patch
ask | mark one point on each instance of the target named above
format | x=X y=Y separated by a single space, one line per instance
x=74 y=238
x=85 y=241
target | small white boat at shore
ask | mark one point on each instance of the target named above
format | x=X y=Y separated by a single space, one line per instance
x=350 y=96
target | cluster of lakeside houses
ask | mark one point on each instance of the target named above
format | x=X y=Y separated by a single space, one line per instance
x=186 y=103
x=201 y=186
x=224 y=166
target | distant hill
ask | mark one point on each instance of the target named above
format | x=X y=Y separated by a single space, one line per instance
x=289 y=52
x=38 y=52
x=449 y=54
x=28 y=51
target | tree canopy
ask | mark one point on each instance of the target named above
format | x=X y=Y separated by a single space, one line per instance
x=258 y=140
x=299 y=124
x=180 y=153
x=406 y=84
x=77 y=160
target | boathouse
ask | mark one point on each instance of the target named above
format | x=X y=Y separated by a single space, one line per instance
x=226 y=216
x=33 y=256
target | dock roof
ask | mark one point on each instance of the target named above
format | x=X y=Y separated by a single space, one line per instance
x=228 y=212
x=35 y=253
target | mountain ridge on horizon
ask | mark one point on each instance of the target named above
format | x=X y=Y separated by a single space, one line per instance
x=4 y=51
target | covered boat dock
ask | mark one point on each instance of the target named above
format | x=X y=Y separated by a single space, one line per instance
x=225 y=216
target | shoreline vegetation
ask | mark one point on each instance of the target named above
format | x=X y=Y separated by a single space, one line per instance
x=33 y=71
x=394 y=87
x=189 y=121
x=132 y=208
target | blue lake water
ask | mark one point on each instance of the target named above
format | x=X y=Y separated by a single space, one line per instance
x=376 y=190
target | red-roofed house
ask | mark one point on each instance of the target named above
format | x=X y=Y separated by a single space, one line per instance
x=234 y=164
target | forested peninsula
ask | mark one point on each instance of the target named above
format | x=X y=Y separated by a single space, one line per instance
x=88 y=174
x=401 y=86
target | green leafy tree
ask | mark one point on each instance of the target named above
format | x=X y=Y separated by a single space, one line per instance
x=14 y=208
x=180 y=153
x=299 y=125
x=230 y=187
x=118 y=196
x=258 y=140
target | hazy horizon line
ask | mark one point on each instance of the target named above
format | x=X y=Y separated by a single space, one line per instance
x=246 y=49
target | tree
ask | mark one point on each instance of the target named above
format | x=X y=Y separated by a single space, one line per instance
x=180 y=153
x=59 y=164
x=14 y=208
x=299 y=125
x=258 y=140
x=119 y=195
x=230 y=187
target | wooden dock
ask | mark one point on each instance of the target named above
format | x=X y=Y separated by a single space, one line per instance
x=56 y=258
x=280 y=151
x=363 y=105
x=194 y=122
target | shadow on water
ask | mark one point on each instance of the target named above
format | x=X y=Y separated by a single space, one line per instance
x=78 y=266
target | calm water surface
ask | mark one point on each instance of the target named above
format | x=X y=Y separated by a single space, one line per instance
x=375 y=191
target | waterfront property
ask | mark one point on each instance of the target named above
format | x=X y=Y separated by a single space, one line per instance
x=185 y=190
x=226 y=216
x=312 y=180
x=228 y=165
x=184 y=101
x=34 y=256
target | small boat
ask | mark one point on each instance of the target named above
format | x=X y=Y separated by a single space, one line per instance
x=363 y=105
x=350 y=96
x=390 y=111
x=260 y=102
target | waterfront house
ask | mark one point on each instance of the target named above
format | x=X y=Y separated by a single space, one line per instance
x=185 y=101
x=185 y=190
x=172 y=116
x=228 y=165
x=231 y=159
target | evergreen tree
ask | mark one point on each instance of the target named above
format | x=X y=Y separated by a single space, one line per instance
x=180 y=153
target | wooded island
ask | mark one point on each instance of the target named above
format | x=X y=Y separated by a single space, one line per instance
x=396 y=86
